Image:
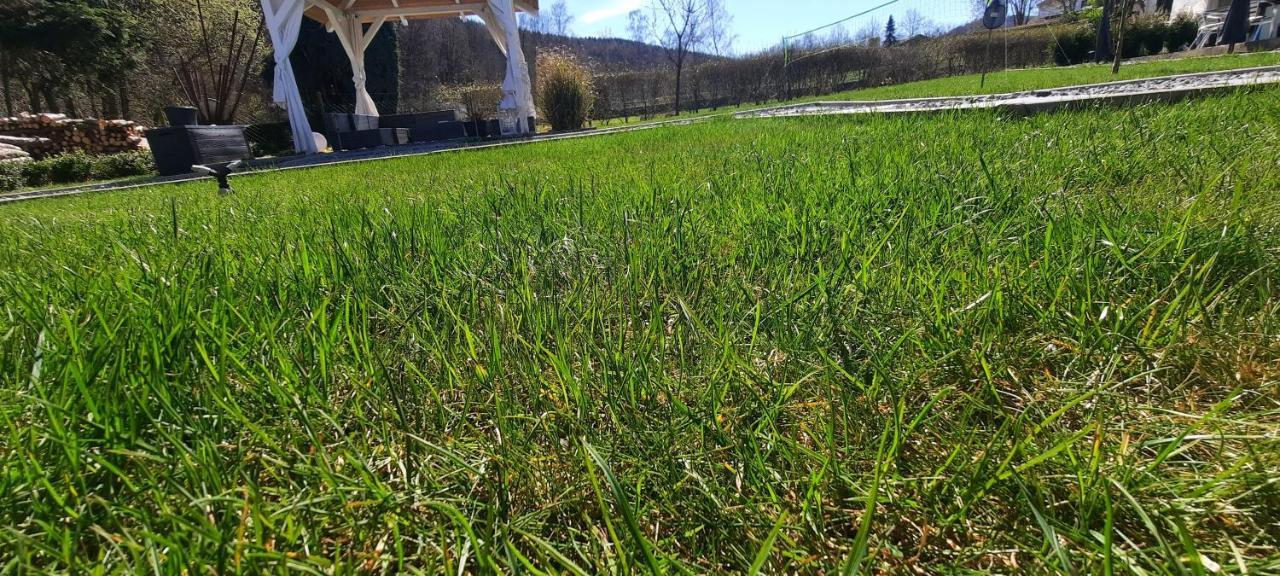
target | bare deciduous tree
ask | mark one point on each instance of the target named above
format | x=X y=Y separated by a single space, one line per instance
x=869 y=33
x=838 y=36
x=914 y=23
x=558 y=19
x=639 y=28
x=683 y=30
x=531 y=23
x=1019 y=9
x=720 y=36
x=1068 y=6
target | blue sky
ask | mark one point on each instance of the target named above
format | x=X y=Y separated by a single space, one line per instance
x=761 y=23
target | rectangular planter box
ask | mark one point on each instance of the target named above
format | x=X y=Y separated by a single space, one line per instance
x=177 y=148
x=361 y=122
x=483 y=129
x=335 y=124
x=373 y=138
x=438 y=131
x=417 y=119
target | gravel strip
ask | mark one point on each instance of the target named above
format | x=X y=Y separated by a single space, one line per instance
x=1147 y=89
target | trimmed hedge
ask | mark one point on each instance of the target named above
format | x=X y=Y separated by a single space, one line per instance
x=1075 y=46
x=74 y=168
x=1143 y=36
x=1182 y=32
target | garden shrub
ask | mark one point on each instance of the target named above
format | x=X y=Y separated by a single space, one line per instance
x=74 y=168
x=11 y=176
x=1022 y=47
x=566 y=92
x=124 y=164
x=1181 y=32
x=480 y=100
x=38 y=173
x=1131 y=44
x=1073 y=46
x=1155 y=33
x=1144 y=35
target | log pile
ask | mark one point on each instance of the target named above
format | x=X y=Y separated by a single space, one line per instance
x=44 y=135
x=13 y=154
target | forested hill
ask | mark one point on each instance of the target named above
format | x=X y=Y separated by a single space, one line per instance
x=611 y=54
x=450 y=52
x=454 y=51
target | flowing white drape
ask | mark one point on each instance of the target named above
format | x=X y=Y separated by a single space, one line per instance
x=517 y=88
x=355 y=40
x=284 y=20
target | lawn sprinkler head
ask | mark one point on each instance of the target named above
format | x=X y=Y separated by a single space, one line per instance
x=220 y=172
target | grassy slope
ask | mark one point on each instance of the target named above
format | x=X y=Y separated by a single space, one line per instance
x=1039 y=78
x=1021 y=80
x=879 y=340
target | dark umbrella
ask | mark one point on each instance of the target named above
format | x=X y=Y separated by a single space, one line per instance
x=996 y=14
x=1236 y=26
x=1102 y=52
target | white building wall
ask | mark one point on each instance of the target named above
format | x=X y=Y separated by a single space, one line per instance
x=1198 y=7
x=1049 y=8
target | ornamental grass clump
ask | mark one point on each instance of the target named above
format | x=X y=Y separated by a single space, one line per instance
x=566 y=91
x=480 y=100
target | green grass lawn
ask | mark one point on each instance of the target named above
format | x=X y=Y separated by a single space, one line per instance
x=1052 y=77
x=957 y=342
x=999 y=82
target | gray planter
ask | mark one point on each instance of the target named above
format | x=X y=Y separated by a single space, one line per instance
x=372 y=138
x=182 y=115
x=177 y=148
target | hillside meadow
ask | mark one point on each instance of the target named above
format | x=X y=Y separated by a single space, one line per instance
x=946 y=343
x=1004 y=81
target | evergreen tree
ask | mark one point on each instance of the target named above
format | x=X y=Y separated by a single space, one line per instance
x=51 y=45
x=890 y=33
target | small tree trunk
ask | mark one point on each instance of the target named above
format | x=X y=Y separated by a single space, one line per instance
x=1127 y=6
x=679 y=72
x=122 y=95
x=110 y=106
x=69 y=104
x=50 y=101
x=8 y=88
x=93 y=102
x=33 y=97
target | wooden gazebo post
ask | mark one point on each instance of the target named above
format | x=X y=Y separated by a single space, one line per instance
x=348 y=19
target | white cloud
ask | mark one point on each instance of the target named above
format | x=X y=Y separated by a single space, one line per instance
x=619 y=8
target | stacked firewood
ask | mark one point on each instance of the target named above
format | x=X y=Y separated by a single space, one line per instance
x=43 y=135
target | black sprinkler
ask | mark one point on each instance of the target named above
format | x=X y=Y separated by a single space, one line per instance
x=220 y=172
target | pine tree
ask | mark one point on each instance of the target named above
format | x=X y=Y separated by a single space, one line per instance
x=890 y=33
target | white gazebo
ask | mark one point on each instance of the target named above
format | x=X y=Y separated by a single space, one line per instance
x=356 y=22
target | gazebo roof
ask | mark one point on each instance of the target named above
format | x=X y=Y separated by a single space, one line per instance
x=371 y=10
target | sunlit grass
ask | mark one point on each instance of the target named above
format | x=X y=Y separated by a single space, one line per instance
x=998 y=82
x=1002 y=81
x=961 y=342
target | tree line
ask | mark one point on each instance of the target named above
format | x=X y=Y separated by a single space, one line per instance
x=119 y=58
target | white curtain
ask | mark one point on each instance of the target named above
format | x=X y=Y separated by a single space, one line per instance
x=354 y=41
x=517 y=88
x=284 y=20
